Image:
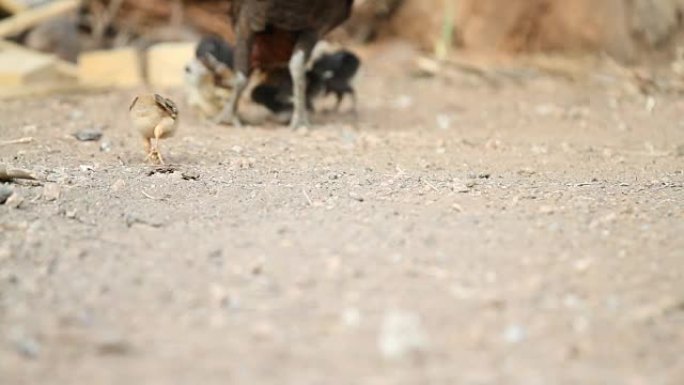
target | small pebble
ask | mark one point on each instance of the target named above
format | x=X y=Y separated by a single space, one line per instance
x=402 y=333
x=443 y=121
x=514 y=334
x=351 y=318
x=403 y=102
x=356 y=196
x=76 y=114
x=28 y=347
x=134 y=219
x=114 y=346
x=526 y=172
x=190 y=175
x=88 y=135
x=105 y=146
x=460 y=187
x=582 y=265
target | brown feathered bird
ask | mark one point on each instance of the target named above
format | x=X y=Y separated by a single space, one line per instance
x=272 y=33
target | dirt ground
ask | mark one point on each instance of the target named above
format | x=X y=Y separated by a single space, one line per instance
x=457 y=232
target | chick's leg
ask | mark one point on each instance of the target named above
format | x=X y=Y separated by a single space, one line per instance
x=243 y=52
x=352 y=93
x=148 y=149
x=158 y=133
x=300 y=57
x=339 y=96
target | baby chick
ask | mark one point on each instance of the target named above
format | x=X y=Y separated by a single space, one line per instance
x=208 y=76
x=335 y=72
x=202 y=92
x=154 y=116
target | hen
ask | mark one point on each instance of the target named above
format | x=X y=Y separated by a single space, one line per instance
x=273 y=33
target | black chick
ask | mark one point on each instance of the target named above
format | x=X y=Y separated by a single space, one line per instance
x=335 y=72
x=275 y=91
x=331 y=73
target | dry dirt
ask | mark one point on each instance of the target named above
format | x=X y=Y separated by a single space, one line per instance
x=457 y=233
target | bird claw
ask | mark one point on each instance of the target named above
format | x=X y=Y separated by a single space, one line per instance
x=154 y=156
x=299 y=123
x=236 y=122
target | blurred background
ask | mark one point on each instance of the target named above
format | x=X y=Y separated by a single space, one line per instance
x=634 y=33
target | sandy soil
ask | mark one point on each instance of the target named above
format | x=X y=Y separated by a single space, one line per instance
x=459 y=232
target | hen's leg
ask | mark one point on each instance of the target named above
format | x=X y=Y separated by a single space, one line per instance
x=244 y=39
x=305 y=44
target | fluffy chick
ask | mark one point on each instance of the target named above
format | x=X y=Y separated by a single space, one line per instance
x=274 y=91
x=208 y=76
x=335 y=72
x=217 y=57
x=203 y=94
x=330 y=73
x=154 y=117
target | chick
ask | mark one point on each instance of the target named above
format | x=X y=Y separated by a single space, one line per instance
x=208 y=76
x=335 y=72
x=330 y=73
x=274 y=91
x=203 y=94
x=154 y=117
x=217 y=57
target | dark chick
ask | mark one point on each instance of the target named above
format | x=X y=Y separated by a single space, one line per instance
x=336 y=71
x=331 y=73
x=275 y=91
x=217 y=56
x=280 y=33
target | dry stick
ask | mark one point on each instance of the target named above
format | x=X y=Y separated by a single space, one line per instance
x=308 y=198
x=432 y=186
x=149 y=196
x=25 y=20
x=25 y=140
x=7 y=175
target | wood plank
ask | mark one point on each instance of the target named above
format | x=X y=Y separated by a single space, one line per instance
x=22 y=21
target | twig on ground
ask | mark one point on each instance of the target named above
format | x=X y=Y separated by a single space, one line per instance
x=308 y=198
x=24 y=140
